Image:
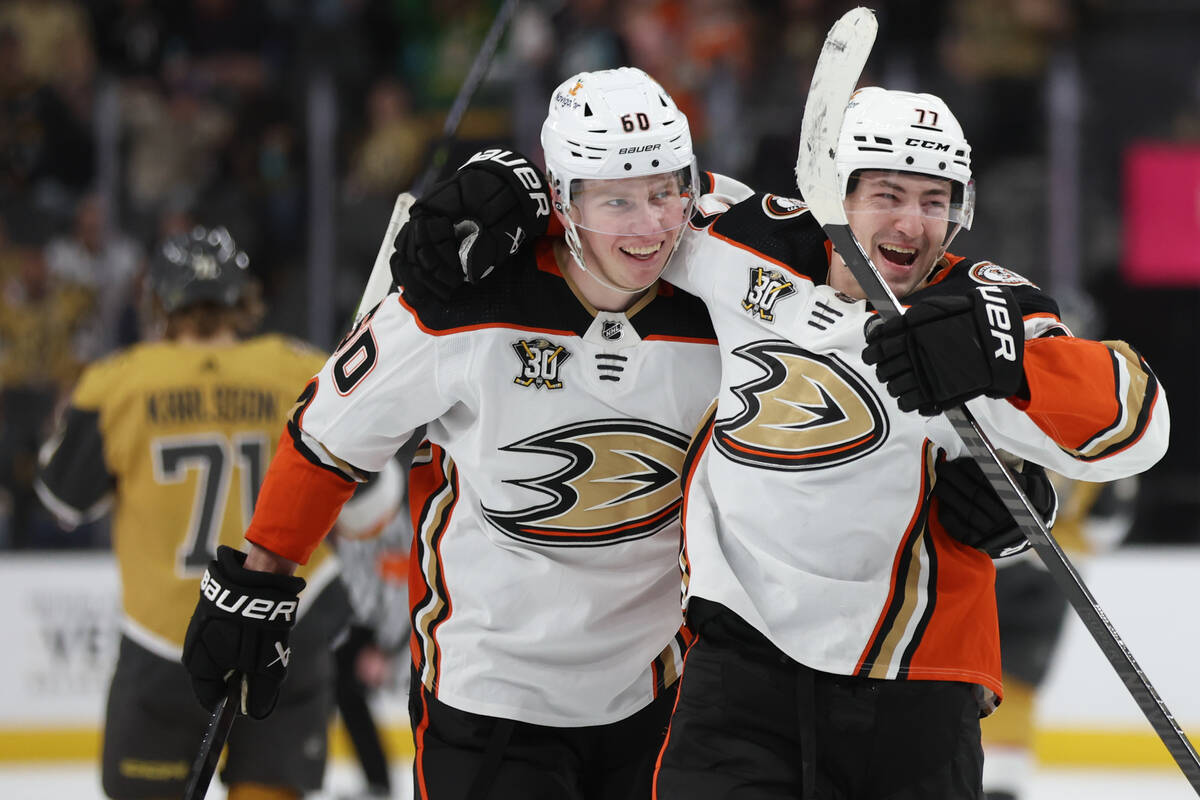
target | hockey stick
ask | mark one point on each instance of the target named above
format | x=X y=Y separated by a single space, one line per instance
x=838 y=68
x=214 y=741
x=475 y=76
x=380 y=280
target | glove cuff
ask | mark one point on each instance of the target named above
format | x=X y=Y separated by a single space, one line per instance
x=230 y=565
x=1002 y=337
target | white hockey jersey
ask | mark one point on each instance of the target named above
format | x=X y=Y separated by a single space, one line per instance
x=544 y=582
x=808 y=507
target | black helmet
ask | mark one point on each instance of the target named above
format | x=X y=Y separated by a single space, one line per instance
x=203 y=266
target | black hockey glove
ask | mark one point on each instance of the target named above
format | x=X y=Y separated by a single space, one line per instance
x=240 y=627
x=947 y=350
x=470 y=223
x=972 y=512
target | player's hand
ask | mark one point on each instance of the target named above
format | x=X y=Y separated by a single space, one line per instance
x=947 y=350
x=470 y=223
x=972 y=512
x=240 y=630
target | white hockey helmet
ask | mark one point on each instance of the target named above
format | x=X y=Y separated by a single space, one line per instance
x=908 y=132
x=612 y=125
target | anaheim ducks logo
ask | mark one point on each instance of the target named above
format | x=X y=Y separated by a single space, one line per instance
x=620 y=482
x=808 y=411
x=778 y=207
x=993 y=274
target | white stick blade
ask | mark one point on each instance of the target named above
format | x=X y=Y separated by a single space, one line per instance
x=839 y=66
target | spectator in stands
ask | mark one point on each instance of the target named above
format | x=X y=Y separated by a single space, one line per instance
x=107 y=263
x=45 y=149
x=40 y=318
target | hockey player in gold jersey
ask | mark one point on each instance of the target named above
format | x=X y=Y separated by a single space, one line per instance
x=175 y=436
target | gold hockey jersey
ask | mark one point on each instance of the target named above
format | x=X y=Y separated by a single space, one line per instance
x=177 y=438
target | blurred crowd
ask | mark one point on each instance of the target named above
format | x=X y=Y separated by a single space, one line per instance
x=124 y=121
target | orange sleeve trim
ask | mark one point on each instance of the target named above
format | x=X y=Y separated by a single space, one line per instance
x=1072 y=389
x=297 y=505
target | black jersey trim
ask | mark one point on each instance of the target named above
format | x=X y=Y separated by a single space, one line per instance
x=533 y=296
x=342 y=469
x=77 y=474
x=785 y=242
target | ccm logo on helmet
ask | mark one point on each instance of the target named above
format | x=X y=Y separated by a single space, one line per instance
x=927 y=144
x=999 y=321
x=528 y=175
x=257 y=608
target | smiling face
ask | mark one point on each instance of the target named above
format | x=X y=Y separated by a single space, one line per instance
x=901 y=221
x=628 y=227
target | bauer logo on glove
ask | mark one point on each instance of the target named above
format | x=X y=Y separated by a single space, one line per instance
x=1000 y=321
x=239 y=631
x=947 y=350
x=246 y=606
x=469 y=224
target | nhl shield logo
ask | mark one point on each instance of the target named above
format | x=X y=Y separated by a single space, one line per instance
x=541 y=363
x=612 y=330
x=767 y=288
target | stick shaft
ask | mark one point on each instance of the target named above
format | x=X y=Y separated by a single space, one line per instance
x=478 y=71
x=380 y=280
x=214 y=740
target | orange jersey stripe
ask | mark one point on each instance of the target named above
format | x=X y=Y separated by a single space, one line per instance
x=419 y=746
x=963 y=628
x=297 y=505
x=1072 y=389
x=433 y=493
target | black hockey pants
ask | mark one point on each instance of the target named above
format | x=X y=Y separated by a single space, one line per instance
x=464 y=756
x=753 y=724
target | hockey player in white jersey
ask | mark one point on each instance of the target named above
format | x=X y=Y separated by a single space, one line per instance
x=846 y=646
x=559 y=404
x=846 y=639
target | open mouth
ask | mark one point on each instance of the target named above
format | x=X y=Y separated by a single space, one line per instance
x=898 y=254
x=643 y=252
